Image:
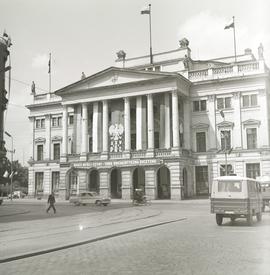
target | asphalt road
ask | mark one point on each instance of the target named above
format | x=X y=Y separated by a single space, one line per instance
x=195 y=245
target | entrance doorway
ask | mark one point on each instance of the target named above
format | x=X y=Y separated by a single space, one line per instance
x=138 y=179
x=163 y=183
x=116 y=184
x=72 y=184
x=93 y=183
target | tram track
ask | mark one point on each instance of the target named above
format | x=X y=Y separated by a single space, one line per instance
x=93 y=240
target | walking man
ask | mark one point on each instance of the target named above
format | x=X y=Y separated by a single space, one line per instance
x=51 y=201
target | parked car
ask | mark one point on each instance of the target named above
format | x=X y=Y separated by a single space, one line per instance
x=265 y=185
x=89 y=198
x=17 y=195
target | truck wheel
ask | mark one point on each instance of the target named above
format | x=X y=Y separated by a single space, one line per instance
x=259 y=216
x=98 y=202
x=219 y=219
x=249 y=219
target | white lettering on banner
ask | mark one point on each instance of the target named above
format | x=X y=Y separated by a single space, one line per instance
x=118 y=163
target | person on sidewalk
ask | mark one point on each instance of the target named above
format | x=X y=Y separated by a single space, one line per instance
x=51 y=201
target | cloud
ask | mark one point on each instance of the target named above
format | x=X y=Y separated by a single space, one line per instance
x=40 y=61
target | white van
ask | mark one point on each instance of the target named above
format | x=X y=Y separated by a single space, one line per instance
x=236 y=197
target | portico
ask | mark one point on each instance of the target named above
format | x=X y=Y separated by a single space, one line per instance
x=128 y=127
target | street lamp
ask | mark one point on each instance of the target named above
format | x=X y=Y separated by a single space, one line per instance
x=12 y=152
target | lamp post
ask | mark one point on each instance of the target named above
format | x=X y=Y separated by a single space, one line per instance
x=12 y=152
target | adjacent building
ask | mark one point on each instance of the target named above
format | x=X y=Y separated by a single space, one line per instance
x=168 y=127
x=4 y=53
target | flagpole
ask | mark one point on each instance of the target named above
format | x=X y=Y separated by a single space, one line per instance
x=234 y=40
x=50 y=77
x=151 y=54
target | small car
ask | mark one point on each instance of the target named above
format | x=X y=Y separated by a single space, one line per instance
x=89 y=198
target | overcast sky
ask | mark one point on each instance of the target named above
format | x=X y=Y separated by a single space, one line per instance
x=84 y=35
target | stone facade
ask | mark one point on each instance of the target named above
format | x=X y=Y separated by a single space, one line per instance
x=166 y=128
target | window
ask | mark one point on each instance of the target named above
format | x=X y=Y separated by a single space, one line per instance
x=250 y=100
x=40 y=123
x=229 y=186
x=40 y=152
x=71 y=120
x=225 y=138
x=55 y=181
x=253 y=170
x=202 y=186
x=56 y=151
x=57 y=121
x=222 y=170
x=39 y=182
x=251 y=138
x=224 y=103
x=201 y=142
x=199 y=105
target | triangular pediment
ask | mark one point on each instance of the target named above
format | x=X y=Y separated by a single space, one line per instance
x=251 y=122
x=225 y=124
x=112 y=76
x=200 y=126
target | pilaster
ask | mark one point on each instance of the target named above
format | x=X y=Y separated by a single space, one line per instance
x=65 y=134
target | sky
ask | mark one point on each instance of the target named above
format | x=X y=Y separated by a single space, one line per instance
x=84 y=36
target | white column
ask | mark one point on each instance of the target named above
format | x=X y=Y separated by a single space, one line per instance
x=65 y=133
x=187 y=118
x=263 y=131
x=212 y=144
x=84 y=144
x=48 y=137
x=150 y=121
x=167 y=121
x=175 y=119
x=105 y=126
x=139 y=123
x=237 y=130
x=95 y=127
x=127 y=123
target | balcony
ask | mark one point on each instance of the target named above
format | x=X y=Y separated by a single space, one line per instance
x=227 y=71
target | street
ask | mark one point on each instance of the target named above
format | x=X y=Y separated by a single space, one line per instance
x=193 y=244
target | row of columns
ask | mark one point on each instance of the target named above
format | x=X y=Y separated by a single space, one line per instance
x=139 y=124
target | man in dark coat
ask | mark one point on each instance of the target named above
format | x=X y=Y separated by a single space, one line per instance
x=51 y=201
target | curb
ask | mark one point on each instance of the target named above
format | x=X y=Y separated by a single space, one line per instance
x=46 y=251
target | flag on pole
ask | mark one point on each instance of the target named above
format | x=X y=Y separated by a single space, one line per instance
x=49 y=64
x=229 y=26
x=145 y=11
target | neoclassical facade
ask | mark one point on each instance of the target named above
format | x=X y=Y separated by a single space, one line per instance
x=168 y=128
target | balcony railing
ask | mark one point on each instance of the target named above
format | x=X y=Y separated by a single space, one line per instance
x=48 y=97
x=141 y=154
x=247 y=68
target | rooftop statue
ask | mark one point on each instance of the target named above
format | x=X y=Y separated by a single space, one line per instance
x=260 y=51
x=183 y=43
x=121 y=55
